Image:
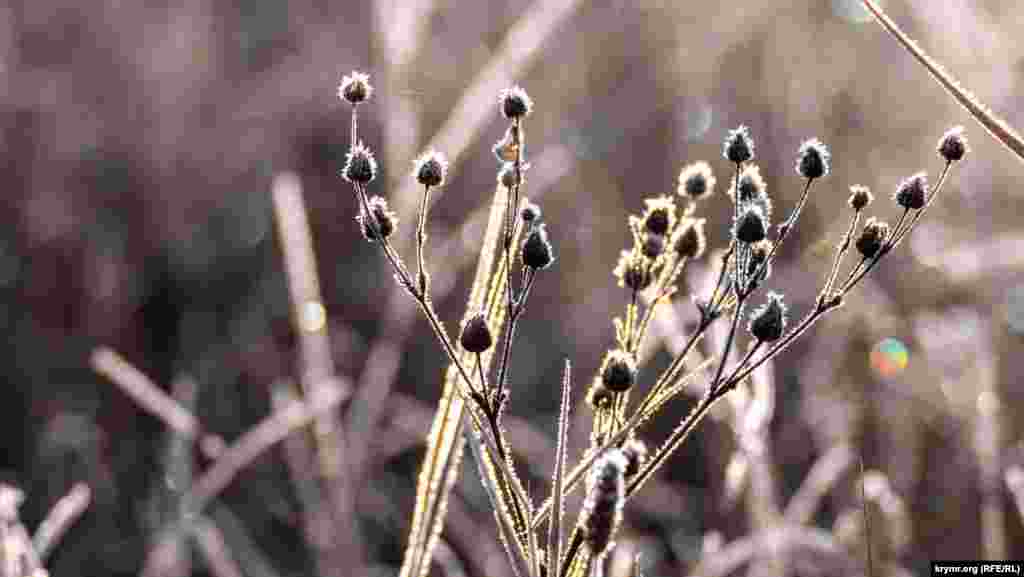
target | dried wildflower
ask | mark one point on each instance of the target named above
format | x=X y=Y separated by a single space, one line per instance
x=689 y=240
x=860 y=197
x=537 y=251
x=739 y=146
x=530 y=213
x=360 y=166
x=386 y=221
x=431 y=168
x=515 y=103
x=632 y=271
x=751 y=226
x=751 y=184
x=618 y=371
x=476 y=335
x=696 y=181
x=953 y=144
x=653 y=245
x=813 y=159
x=660 y=215
x=355 y=88
x=912 y=192
x=635 y=452
x=759 y=252
x=606 y=494
x=768 y=322
x=599 y=397
x=872 y=237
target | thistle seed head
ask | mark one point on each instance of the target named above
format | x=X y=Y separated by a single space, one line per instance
x=768 y=322
x=476 y=335
x=379 y=214
x=953 y=144
x=618 y=371
x=599 y=397
x=530 y=214
x=515 y=103
x=751 y=185
x=913 y=191
x=360 y=166
x=860 y=197
x=696 y=181
x=739 y=146
x=355 y=88
x=632 y=271
x=813 y=160
x=690 y=240
x=872 y=237
x=751 y=226
x=660 y=215
x=606 y=495
x=537 y=251
x=431 y=168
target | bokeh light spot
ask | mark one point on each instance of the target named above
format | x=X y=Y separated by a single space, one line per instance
x=889 y=357
x=314 y=317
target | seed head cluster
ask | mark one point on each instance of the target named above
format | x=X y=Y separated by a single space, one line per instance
x=537 y=251
x=953 y=145
x=739 y=146
x=696 y=181
x=380 y=218
x=618 y=371
x=360 y=166
x=872 y=237
x=768 y=322
x=355 y=88
x=752 y=226
x=515 y=103
x=476 y=335
x=813 y=159
x=431 y=168
x=689 y=240
x=913 y=191
x=860 y=197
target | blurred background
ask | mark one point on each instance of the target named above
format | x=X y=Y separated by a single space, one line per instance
x=139 y=144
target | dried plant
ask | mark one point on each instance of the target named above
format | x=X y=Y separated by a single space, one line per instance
x=665 y=238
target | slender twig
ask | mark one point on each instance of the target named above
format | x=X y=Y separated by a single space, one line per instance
x=62 y=516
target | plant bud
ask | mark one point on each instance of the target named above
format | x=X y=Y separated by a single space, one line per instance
x=872 y=237
x=860 y=197
x=537 y=251
x=618 y=371
x=355 y=88
x=913 y=191
x=751 y=226
x=953 y=144
x=738 y=147
x=696 y=181
x=689 y=239
x=431 y=168
x=360 y=166
x=515 y=103
x=813 y=159
x=768 y=322
x=386 y=221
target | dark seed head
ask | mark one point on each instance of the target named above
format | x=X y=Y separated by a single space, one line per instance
x=633 y=271
x=872 y=237
x=476 y=335
x=813 y=159
x=739 y=146
x=360 y=166
x=696 y=181
x=768 y=322
x=599 y=397
x=431 y=168
x=606 y=494
x=758 y=254
x=515 y=103
x=355 y=88
x=751 y=226
x=385 y=220
x=860 y=197
x=953 y=144
x=689 y=238
x=537 y=251
x=618 y=371
x=660 y=215
x=913 y=191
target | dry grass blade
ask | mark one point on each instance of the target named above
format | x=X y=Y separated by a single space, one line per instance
x=60 y=518
x=995 y=126
x=555 y=526
x=444 y=446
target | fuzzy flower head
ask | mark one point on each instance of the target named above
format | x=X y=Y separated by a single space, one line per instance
x=632 y=271
x=660 y=215
x=618 y=371
x=953 y=144
x=751 y=226
x=768 y=322
x=913 y=191
x=813 y=160
x=606 y=494
x=360 y=166
x=872 y=237
x=860 y=197
x=380 y=218
x=355 y=88
x=690 y=240
x=537 y=251
x=515 y=103
x=696 y=181
x=476 y=335
x=738 y=146
x=759 y=252
x=431 y=168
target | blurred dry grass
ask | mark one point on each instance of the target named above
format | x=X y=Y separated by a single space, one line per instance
x=139 y=141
